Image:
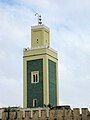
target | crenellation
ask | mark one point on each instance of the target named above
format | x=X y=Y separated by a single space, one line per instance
x=61 y=113
x=68 y=114
x=19 y=115
x=76 y=113
x=4 y=115
x=27 y=115
x=12 y=115
x=52 y=114
x=36 y=115
x=43 y=114
x=85 y=113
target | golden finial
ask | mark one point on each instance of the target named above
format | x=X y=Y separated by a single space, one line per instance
x=39 y=19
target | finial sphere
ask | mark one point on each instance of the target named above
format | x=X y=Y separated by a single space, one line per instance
x=39 y=19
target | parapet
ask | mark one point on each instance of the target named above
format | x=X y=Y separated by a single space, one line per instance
x=57 y=113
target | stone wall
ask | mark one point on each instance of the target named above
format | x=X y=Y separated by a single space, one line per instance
x=61 y=113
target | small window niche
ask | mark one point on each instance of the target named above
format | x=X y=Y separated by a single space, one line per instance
x=37 y=40
x=35 y=77
x=34 y=102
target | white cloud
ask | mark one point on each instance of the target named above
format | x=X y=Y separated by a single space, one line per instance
x=70 y=27
x=10 y=91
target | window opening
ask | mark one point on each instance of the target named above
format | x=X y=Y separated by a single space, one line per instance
x=37 y=40
x=34 y=102
x=35 y=77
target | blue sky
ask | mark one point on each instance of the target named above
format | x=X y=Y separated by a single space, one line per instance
x=9 y=2
x=69 y=23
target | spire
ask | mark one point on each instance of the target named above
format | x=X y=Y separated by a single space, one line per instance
x=39 y=19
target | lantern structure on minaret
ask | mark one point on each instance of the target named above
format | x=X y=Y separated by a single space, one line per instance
x=40 y=69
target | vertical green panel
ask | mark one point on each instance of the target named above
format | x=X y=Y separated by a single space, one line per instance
x=52 y=82
x=35 y=91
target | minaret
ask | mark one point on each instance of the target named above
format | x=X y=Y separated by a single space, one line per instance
x=40 y=69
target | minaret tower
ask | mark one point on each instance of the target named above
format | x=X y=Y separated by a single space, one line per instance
x=40 y=69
